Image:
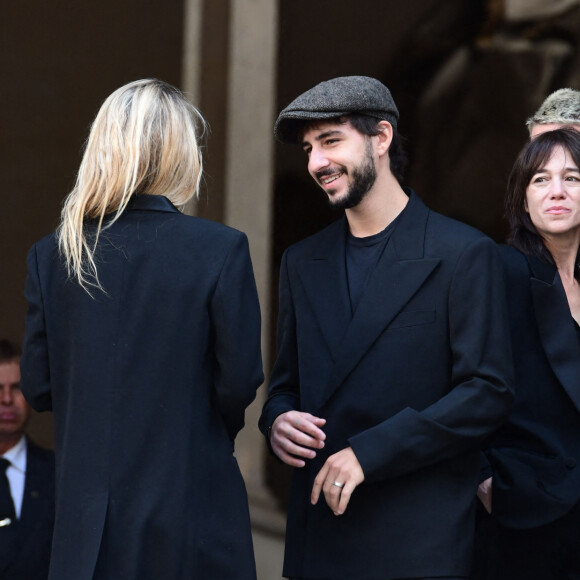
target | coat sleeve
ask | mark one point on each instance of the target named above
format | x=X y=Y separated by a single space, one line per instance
x=481 y=378
x=34 y=364
x=235 y=313
x=284 y=390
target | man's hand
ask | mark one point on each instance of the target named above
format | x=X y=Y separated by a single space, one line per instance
x=295 y=434
x=484 y=493
x=338 y=478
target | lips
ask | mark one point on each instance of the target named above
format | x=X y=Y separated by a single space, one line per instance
x=557 y=210
x=328 y=176
x=329 y=184
x=8 y=416
x=330 y=179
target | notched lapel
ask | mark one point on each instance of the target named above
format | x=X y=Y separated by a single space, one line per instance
x=557 y=331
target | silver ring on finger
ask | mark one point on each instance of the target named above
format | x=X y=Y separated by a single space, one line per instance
x=341 y=485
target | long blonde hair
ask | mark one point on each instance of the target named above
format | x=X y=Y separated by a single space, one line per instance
x=144 y=139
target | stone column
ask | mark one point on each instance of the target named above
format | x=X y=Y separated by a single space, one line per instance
x=248 y=200
x=191 y=68
x=230 y=49
x=192 y=38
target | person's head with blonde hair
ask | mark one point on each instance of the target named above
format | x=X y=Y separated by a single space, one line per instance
x=145 y=139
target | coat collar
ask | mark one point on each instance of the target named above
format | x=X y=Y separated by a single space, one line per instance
x=541 y=270
x=400 y=272
x=555 y=325
x=146 y=202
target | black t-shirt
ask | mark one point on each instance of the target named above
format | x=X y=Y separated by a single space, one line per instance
x=362 y=255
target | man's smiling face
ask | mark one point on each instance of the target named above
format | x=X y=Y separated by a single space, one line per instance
x=341 y=161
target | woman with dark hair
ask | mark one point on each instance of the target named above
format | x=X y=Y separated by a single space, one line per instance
x=143 y=338
x=533 y=488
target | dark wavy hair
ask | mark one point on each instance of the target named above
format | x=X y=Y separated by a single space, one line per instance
x=368 y=126
x=523 y=234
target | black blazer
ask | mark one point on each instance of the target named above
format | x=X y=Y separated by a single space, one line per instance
x=148 y=385
x=414 y=382
x=25 y=546
x=535 y=458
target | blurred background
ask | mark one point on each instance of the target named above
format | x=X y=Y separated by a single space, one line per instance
x=465 y=76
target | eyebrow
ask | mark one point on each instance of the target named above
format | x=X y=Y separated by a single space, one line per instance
x=324 y=135
x=545 y=169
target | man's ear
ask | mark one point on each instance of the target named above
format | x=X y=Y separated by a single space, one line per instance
x=385 y=137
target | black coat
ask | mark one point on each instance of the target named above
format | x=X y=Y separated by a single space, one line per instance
x=535 y=458
x=25 y=545
x=148 y=385
x=414 y=382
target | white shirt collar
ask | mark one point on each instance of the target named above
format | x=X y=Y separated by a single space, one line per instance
x=17 y=455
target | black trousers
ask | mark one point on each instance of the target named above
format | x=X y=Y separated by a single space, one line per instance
x=549 y=552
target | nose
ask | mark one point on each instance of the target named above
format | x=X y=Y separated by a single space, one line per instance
x=558 y=188
x=6 y=395
x=317 y=160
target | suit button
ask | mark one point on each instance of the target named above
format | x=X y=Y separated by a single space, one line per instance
x=570 y=463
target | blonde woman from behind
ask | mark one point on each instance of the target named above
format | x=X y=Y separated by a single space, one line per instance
x=143 y=338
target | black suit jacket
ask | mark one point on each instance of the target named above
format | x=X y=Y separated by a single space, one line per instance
x=535 y=458
x=148 y=384
x=25 y=546
x=414 y=382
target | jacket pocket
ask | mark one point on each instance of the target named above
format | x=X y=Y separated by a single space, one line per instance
x=413 y=318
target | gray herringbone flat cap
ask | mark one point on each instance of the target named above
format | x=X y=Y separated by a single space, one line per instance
x=562 y=107
x=334 y=98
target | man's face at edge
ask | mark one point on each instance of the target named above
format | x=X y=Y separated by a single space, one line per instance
x=14 y=410
x=539 y=128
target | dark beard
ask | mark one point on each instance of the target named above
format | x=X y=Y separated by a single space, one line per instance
x=363 y=178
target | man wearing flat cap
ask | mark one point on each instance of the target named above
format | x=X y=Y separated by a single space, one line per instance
x=393 y=360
